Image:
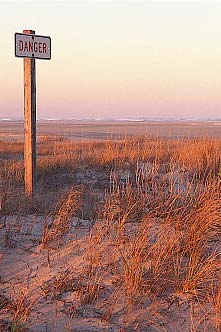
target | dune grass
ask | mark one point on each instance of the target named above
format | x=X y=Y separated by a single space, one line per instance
x=156 y=211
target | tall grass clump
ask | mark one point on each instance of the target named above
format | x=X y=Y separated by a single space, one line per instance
x=67 y=207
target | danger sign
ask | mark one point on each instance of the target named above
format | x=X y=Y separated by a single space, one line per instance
x=32 y=46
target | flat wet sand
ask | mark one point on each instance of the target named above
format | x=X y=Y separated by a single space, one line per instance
x=102 y=130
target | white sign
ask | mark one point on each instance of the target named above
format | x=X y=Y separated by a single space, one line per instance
x=32 y=46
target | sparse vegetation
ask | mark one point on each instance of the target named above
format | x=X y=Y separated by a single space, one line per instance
x=67 y=207
x=139 y=221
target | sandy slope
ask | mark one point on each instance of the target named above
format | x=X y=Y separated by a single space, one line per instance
x=33 y=274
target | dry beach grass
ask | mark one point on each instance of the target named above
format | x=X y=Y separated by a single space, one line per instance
x=122 y=236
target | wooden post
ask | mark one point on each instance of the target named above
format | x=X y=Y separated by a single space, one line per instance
x=30 y=124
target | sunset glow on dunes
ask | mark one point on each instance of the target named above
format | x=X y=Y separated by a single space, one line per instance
x=110 y=165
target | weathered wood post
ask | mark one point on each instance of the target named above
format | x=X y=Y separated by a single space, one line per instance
x=30 y=124
x=30 y=46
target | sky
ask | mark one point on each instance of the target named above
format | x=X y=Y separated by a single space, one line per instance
x=116 y=59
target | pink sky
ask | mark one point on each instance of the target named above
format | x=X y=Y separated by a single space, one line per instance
x=116 y=59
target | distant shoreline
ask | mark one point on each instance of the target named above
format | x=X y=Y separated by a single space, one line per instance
x=98 y=130
x=148 y=120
